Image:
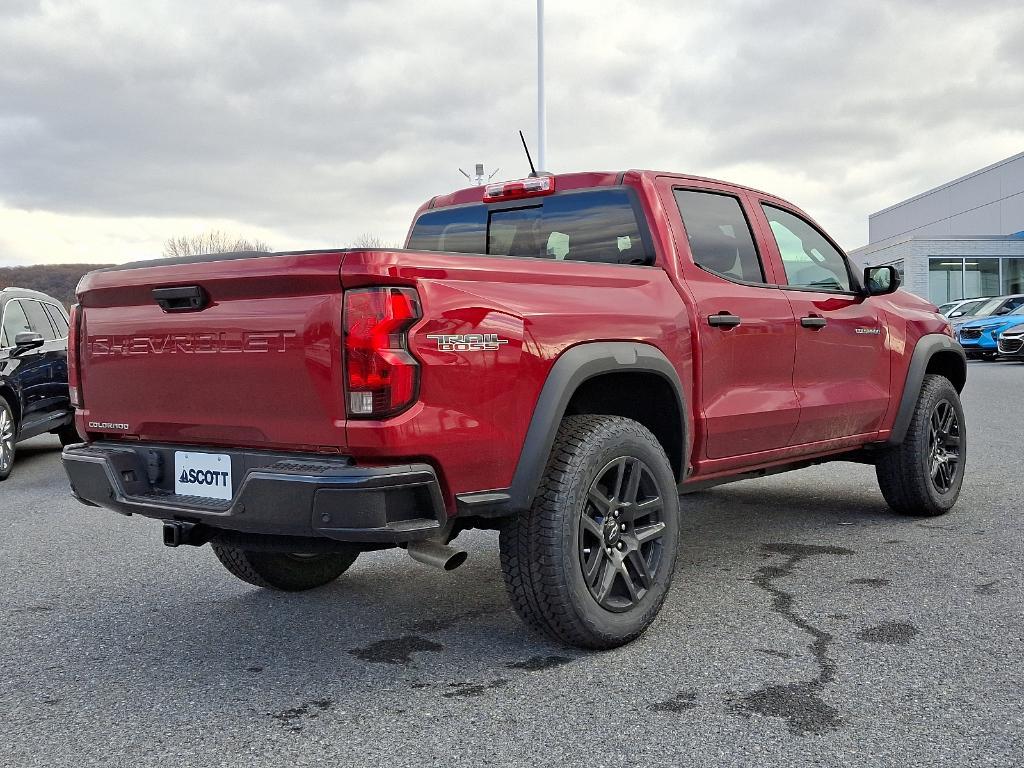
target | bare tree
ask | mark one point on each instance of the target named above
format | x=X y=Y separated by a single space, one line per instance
x=368 y=240
x=212 y=241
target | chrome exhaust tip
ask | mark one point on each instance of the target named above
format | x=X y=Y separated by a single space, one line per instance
x=436 y=554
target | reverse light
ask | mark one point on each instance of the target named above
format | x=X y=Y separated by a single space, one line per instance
x=512 y=190
x=381 y=376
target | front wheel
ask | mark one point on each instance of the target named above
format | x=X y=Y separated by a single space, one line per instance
x=286 y=572
x=591 y=562
x=8 y=431
x=922 y=476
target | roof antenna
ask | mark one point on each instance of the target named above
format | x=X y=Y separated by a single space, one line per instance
x=526 y=149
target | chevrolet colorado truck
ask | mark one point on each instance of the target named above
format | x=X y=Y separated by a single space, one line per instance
x=556 y=358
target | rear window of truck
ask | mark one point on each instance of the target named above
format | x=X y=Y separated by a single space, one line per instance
x=603 y=225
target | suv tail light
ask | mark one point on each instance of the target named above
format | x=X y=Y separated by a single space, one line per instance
x=74 y=336
x=381 y=375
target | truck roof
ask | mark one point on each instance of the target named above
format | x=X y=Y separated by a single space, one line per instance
x=583 y=180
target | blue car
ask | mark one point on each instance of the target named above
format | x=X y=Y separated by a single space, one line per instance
x=980 y=338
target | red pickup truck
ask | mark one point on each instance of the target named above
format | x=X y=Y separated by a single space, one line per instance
x=555 y=358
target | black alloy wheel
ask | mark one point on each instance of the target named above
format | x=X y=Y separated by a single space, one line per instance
x=621 y=532
x=944 y=445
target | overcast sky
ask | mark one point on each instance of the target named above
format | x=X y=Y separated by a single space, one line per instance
x=308 y=123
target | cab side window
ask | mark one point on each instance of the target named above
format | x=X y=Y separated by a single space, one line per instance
x=39 y=320
x=720 y=238
x=15 y=322
x=60 y=322
x=810 y=260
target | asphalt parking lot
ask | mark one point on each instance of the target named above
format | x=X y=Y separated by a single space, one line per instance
x=808 y=625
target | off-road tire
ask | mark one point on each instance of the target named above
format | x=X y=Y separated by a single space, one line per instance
x=7 y=418
x=541 y=549
x=278 y=570
x=904 y=471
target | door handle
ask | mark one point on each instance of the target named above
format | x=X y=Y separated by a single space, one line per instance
x=724 y=320
x=813 y=321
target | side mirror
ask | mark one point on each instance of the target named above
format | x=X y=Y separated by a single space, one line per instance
x=878 y=281
x=1002 y=311
x=958 y=313
x=27 y=341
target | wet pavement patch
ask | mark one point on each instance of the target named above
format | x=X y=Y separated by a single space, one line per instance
x=870 y=582
x=397 y=650
x=678 y=703
x=308 y=711
x=539 y=663
x=987 y=589
x=800 y=704
x=474 y=689
x=889 y=633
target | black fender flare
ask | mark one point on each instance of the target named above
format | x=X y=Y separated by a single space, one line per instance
x=573 y=367
x=927 y=347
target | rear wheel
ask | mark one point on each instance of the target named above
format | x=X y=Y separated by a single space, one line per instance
x=923 y=475
x=287 y=572
x=8 y=431
x=591 y=562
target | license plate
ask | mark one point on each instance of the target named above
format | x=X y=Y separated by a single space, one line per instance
x=202 y=474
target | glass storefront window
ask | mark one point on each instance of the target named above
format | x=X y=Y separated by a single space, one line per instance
x=981 y=277
x=945 y=280
x=1013 y=275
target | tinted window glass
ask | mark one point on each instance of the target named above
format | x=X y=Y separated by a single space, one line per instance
x=719 y=235
x=39 y=320
x=15 y=321
x=461 y=230
x=600 y=225
x=60 y=322
x=810 y=260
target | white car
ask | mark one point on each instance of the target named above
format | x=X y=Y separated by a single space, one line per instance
x=962 y=308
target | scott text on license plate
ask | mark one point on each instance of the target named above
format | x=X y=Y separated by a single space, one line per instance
x=202 y=474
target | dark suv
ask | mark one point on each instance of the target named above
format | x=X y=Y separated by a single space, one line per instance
x=33 y=371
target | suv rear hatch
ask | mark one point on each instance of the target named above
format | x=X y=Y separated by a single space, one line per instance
x=233 y=350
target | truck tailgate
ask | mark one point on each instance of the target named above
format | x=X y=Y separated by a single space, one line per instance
x=258 y=365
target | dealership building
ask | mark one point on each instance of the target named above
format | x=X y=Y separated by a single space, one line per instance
x=962 y=240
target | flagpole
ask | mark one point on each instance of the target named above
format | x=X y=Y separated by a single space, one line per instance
x=542 y=118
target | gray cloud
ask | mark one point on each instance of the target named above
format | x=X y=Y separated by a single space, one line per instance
x=328 y=119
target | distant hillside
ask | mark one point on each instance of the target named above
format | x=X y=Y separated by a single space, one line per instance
x=58 y=280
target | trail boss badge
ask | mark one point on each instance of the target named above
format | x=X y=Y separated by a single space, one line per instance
x=467 y=342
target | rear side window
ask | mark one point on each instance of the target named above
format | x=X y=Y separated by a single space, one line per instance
x=597 y=225
x=15 y=322
x=60 y=322
x=39 y=320
x=719 y=235
x=458 y=230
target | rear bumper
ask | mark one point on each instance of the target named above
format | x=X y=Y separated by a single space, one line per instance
x=273 y=494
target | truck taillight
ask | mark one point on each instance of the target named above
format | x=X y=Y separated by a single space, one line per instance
x=380 y=373
x=74 y=335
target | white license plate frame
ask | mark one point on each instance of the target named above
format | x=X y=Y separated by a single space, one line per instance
x=207 y=475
